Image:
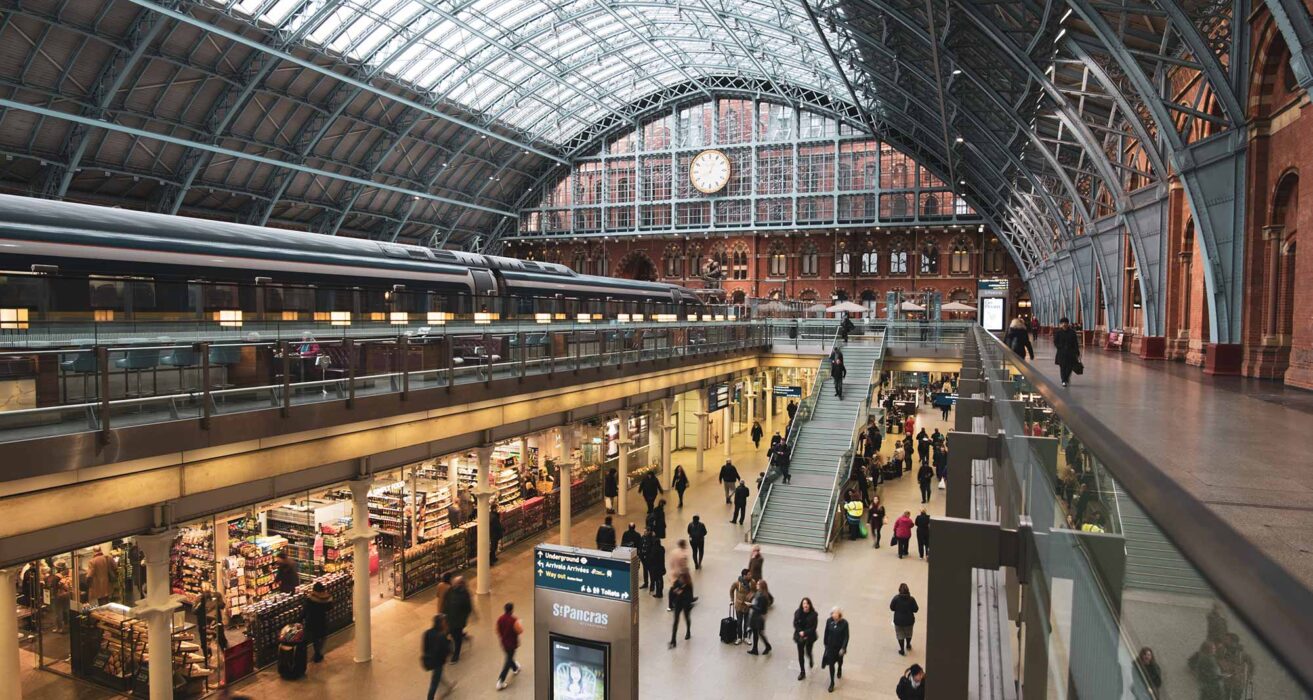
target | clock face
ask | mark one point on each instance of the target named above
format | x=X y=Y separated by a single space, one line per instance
x=709 y=171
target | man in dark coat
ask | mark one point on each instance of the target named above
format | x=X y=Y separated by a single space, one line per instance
x=656 y=566
x=729 y=476
x=649 y=487
x=631 y=537
x=606 y=535
x=656 y=520
x=611 y=489
x=646 y=544
x=740 y=503
x=1067 y=345
x=459 y=608
x=436 y=650
x=286 y=576
x=315 y=609
x=756 y=434
x=837 y=373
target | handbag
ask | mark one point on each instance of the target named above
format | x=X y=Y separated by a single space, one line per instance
x=1079 y=367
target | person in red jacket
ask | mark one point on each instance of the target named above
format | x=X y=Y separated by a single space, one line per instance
x=903 y=532
x=509 y=630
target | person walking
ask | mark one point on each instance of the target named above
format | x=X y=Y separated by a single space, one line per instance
x=649 y=487
x=646 y=545
x=805 y=622
x=680 y=483
x=908 y=451
x=508 y=629
x=905 y=609
x=903 y=532
x=606 y=535
x=656 y=563
x=781 y=460
x=440 y=593
x=697 y=540
x=940 y=462
x=756 y=563
x=209 y=614
x=436 y=649
x=858 y=473
x=875 y=516
x=656 y=520
x=909 y=424
x=836 y=644
x=679 y=561
x=837 y=373
x=1153 y=673
x=729 y=478
x=756 y=433
x=611 y=489
x=912 y=685
x=1066 y=345
x=740 y=503
x=1018 y=338
x=100 y=576
x=923 y=446
x=630 y=537
x=791 y=408
x=922 y=523
x=458 y=608
x=314 y=611
x=681 y=603
x=740 y=600
x=924 y=477
x=761 y=602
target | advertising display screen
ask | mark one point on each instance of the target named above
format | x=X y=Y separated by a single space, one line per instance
x=582 y=574
x=991 y=314
x=579 y=669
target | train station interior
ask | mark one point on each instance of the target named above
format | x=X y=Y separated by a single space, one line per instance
x=584 y=350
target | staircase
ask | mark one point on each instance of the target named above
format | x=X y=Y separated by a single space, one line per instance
x=796 y=513
x=1152 y=563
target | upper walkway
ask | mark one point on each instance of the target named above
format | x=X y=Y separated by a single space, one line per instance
x=1241 y=446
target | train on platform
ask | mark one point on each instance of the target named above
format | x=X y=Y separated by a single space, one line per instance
x=60 y=259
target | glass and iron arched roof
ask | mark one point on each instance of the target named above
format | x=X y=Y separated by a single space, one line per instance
x=551 y=69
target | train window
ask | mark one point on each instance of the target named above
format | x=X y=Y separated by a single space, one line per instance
x=219 y=296
x=22 y=291
x=106 y=293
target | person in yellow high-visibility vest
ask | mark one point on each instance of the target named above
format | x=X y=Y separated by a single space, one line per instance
x=853 y=510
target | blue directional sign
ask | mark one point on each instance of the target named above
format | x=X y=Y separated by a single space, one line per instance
x=583 y=573
x=788 y=390
x=717 y=397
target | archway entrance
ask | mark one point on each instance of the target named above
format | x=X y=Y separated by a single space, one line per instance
x=637 y=266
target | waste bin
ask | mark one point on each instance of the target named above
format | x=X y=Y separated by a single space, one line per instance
x=291 y=652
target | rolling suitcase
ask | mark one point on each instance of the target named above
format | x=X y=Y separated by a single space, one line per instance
x=729 y=628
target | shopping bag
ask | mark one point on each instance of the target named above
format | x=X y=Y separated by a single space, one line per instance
x=1079 y=367
x=941 y=484
x=865 y=532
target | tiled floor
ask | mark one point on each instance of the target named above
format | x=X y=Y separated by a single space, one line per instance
x=1240 y=445
x=857 y=577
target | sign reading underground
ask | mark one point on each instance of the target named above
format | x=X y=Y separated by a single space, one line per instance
x=581 y=574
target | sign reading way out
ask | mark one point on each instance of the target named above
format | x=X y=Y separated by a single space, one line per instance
x=582 y=574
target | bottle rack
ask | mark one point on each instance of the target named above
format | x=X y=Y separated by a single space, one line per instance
x=431 y=518
x=387 y=509
x=423 y=564
x=191 y=561
x=260 y=567
x=297 y=526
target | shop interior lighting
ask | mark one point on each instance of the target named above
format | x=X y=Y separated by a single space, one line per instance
x=13 y=319
x=339 y=318
x=103 y=315
x=692 y=317
x=543 y=318
x=584 y=318
x=399 y=318
x=637 y=318
x=377 y=316
x=622 y=318
x=230 y=318
x=483 y=318
x=439 y=318
x=559 y=317
x=290 y=315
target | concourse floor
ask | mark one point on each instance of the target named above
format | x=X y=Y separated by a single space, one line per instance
x=854 y=576
x=1240 y=445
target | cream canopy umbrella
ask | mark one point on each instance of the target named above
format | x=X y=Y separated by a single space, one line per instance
x=846 y=307
x=957 y=306
x=910 y=306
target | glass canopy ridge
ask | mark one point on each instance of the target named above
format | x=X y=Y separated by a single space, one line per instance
x=552 y=68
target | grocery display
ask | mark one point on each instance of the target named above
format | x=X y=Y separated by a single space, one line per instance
x=191 y=561
x=266 y=617
x=109 y=647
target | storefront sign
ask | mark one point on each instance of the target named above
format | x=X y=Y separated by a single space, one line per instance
x=788 y=390
x=717 y=397
x=582 y=574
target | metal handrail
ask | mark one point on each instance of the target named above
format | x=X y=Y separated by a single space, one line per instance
x=847 y=457
x=1266 y=597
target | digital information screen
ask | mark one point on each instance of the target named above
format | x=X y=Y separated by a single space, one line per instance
x=787 y=390
x=579 y=669
x=717 y=397
x=582 y=574
x=991 y=316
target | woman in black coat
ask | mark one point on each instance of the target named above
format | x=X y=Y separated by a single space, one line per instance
x=912 y=685
x=836 y=644
x=875 y=516
x=680 y=483
x=905 y=609
x=924 y=476
x=1067 y=347
x=1018 y=339
x=805 y=621
x=611 y=489
x=656 y=520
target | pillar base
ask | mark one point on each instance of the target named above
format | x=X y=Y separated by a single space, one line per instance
x=1224 y=359
x=1177 y=349
x=1300 y=375
x=1087 y=338
x=1267 y=361
x=1153 y=347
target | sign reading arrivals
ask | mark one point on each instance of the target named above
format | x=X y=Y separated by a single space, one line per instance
x=717 y=397
x=581 y=573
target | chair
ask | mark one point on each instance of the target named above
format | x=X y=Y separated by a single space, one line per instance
x=83 y=362
x=138 y=361
x=225 y=356
x=181 y=359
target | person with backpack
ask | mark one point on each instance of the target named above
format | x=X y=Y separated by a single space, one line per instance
x=508 y=629
x=904 y=608
x=805 y=622
x=437 y=647
x=697 y=540
x=606 y=535
x=836 y=645
x=681 y=603
x=729 y=478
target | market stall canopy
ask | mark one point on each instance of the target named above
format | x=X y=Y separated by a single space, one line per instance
x=816 y=307
x=848 y=307
x=957 y=306
x=773 y=306
x=910 y=306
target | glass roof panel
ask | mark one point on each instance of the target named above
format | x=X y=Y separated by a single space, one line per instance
x=572 y=61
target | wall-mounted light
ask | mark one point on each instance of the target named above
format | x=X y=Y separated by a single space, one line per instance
x=439 y=318
x=229 y=318
x=584 y=318
x=13 y=319
x=543 y=318
x=103 y=315
x=339 y=318
x=290 y=315
x=636 y=318
x=483 y=318
x=622 y=318
x=399 y=318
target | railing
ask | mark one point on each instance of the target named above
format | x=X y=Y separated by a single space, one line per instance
x=917 y=334
x=845 y=464
x=97 y=388
x=806 y=408
x=1248 y=634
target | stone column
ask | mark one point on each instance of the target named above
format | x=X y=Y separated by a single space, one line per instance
x=668 y=428
x=656 y=442
x=564 y=480
x=702 y=431
x=770 y=404
x=483 y=494
x=10 y=688
x=622 y=447
x=157 y=610
x=360 y=535
x=1272 y=292
x=728 y=424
